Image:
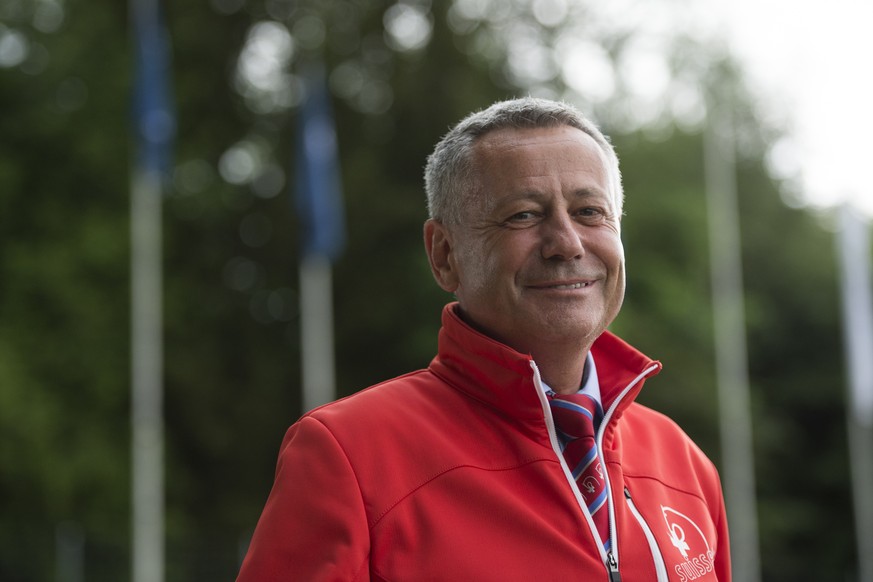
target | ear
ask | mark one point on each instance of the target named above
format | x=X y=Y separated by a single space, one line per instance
x=439 y=246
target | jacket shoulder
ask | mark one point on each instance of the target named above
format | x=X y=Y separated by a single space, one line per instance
x=656 y=446
x=385 y=399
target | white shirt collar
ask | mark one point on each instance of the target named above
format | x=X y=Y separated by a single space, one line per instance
x=590 y=386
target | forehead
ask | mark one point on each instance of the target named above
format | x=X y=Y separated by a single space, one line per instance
x=562 y=157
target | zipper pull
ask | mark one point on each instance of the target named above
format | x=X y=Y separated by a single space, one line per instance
x=611 y=562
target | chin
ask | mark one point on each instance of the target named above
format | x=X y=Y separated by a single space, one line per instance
x=573 y=331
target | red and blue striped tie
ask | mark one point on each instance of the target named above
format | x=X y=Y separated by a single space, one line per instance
x=575 y=416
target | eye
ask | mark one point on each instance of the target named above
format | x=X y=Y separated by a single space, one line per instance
x=591 y=213
x=522 y=219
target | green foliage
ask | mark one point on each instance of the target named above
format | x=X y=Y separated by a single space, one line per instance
x=667 y=311
x=232 y=364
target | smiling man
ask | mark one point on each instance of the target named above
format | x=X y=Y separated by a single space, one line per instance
x=537 y=261
x=519 y=453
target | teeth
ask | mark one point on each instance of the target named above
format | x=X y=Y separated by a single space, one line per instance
x=573 y=286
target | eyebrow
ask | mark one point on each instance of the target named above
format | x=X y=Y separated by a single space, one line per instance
x=540 y=197
x=594 y=192
x=536 y=195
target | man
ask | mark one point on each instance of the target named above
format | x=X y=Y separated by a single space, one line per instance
x=458 y=472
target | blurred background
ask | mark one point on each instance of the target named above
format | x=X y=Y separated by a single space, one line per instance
x=203 y=106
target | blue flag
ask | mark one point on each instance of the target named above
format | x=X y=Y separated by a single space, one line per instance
x=318 y=187
x=154 y=119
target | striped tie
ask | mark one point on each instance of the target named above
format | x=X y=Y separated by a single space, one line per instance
x=575 y=416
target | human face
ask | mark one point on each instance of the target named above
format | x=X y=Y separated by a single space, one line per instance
x=537 y=260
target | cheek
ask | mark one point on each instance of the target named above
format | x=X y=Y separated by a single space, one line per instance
x=489 y=280
x=481 y=272
x=618 y=291
x=621 y=286
x=471 y=267
x=493 y=264
x=612 y=251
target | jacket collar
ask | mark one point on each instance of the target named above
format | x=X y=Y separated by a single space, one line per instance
x=503 y=378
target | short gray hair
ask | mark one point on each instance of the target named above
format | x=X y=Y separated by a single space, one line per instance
x=448 y=176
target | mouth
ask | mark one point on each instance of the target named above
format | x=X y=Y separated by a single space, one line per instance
x=563 y=286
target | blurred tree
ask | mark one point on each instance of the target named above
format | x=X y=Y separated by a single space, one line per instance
x=401 y=74
x=63 y=305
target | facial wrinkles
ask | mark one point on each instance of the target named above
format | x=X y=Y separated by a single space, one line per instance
x=507 y=144
x=582 y=265
x=474 y=244
x=477 y=241
x=536 y=183
x=480 y=241
x=539 y=215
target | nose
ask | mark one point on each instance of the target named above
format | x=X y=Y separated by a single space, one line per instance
x=561 y=238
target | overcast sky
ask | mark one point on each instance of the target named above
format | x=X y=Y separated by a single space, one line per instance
x=812 y=61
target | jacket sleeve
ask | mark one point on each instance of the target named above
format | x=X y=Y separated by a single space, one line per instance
x=314 y=526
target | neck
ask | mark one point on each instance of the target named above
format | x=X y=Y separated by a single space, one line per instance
x=562 y=372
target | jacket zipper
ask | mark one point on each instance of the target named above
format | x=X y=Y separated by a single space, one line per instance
x=657 y=557
x=612 y=555
x=612 y=564
x=610 y=558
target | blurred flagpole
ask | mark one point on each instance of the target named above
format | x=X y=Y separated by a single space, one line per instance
x=318 y=195
x=730 y=344
x=154 y=128
x=854 y=260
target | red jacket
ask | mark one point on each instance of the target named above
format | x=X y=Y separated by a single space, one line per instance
x=452 y=473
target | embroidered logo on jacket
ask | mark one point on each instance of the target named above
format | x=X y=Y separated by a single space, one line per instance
x=689 y=541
